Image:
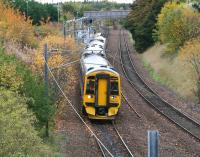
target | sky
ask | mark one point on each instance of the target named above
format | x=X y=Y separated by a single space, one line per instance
x=55 y=1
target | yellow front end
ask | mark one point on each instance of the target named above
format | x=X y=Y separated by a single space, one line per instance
x=102 y=98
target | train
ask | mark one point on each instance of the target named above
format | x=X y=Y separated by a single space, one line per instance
x=100 y=82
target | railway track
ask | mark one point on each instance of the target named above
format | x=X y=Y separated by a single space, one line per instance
x=110 y=134
x=162 y=106
x=131 y=107
x=117 y=145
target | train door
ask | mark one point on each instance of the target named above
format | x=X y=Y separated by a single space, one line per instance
x=102 y=89
x=102 y=92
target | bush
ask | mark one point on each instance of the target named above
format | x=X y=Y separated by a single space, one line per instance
x=56 y=43
x=15 y=76
x=190 y=53
x=14 y=27
x=17 y=134
x=177 y=23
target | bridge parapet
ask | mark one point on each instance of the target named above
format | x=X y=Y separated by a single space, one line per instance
x=106 y=14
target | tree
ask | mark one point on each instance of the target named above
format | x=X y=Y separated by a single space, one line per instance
x=190 y=54
x=142 y=20
x=36 y=11
x=17 y=135
x=15 y=27
x=43 y=107
x=177 y=23
x=16 y=77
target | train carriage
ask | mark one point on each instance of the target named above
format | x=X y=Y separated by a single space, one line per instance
x=100 y=88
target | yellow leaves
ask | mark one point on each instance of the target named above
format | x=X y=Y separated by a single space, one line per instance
x=9 y=78
x=56 y=46
x=55 y=61
x=190 y=49
x=15 y=27
x=176 y=24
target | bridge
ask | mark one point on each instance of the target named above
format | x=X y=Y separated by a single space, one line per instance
x=114 y=14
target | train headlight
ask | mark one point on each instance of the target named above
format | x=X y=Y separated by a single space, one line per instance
x=89 y=96
x=113 y=97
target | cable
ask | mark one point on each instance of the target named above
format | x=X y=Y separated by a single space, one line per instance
x=79 y=116
x=63 y=65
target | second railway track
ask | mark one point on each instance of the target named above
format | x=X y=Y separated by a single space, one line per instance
x=183 y=121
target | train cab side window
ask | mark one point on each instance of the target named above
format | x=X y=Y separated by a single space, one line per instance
x=114 y=88
x=90 y=87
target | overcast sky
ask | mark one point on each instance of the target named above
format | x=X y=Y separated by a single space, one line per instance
x=55 y=1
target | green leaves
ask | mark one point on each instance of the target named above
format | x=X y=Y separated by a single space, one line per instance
x=9 y=79
x=17 y=135
x=16 y=77
x=142 y=20
x=36 y=11
x=43 y=107
x=177 y=23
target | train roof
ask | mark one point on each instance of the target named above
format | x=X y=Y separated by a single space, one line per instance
x=95 y=42
x=100 y=38
x=95 y=49
x=94 y=63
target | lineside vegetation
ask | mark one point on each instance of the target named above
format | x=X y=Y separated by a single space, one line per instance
x=27 y=115
x=171 y=23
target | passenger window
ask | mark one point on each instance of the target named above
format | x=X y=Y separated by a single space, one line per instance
x=90 y=87
x=114 y=88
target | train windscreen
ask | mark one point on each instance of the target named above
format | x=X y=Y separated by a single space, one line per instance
x=114 y=88
x=90 y=88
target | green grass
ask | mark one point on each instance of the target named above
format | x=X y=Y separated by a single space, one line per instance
x=170 y=71
x=155 y=76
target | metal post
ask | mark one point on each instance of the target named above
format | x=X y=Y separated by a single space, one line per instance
x=46 y=73
x=82 y=28
x=152 y=143
x=74 y=29
x=58 y=9
x=46 y=68
x=64 y=33
x=27 y=10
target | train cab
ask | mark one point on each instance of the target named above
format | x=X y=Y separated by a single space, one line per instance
x=100 y=88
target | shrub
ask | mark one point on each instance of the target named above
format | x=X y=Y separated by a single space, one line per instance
x=15 y=76
x=56 y=44
x=14 y=27
x=190 y=53
x=177 y=23
x=17 y=134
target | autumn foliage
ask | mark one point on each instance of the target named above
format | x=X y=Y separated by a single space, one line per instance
x=177 y=23
x=14 y=27
x=178 y=28
x=56 y=46
x=190 y=54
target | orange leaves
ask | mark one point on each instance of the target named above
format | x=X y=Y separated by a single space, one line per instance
x=56 y=46
x=190 y=50
x=14 y=27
